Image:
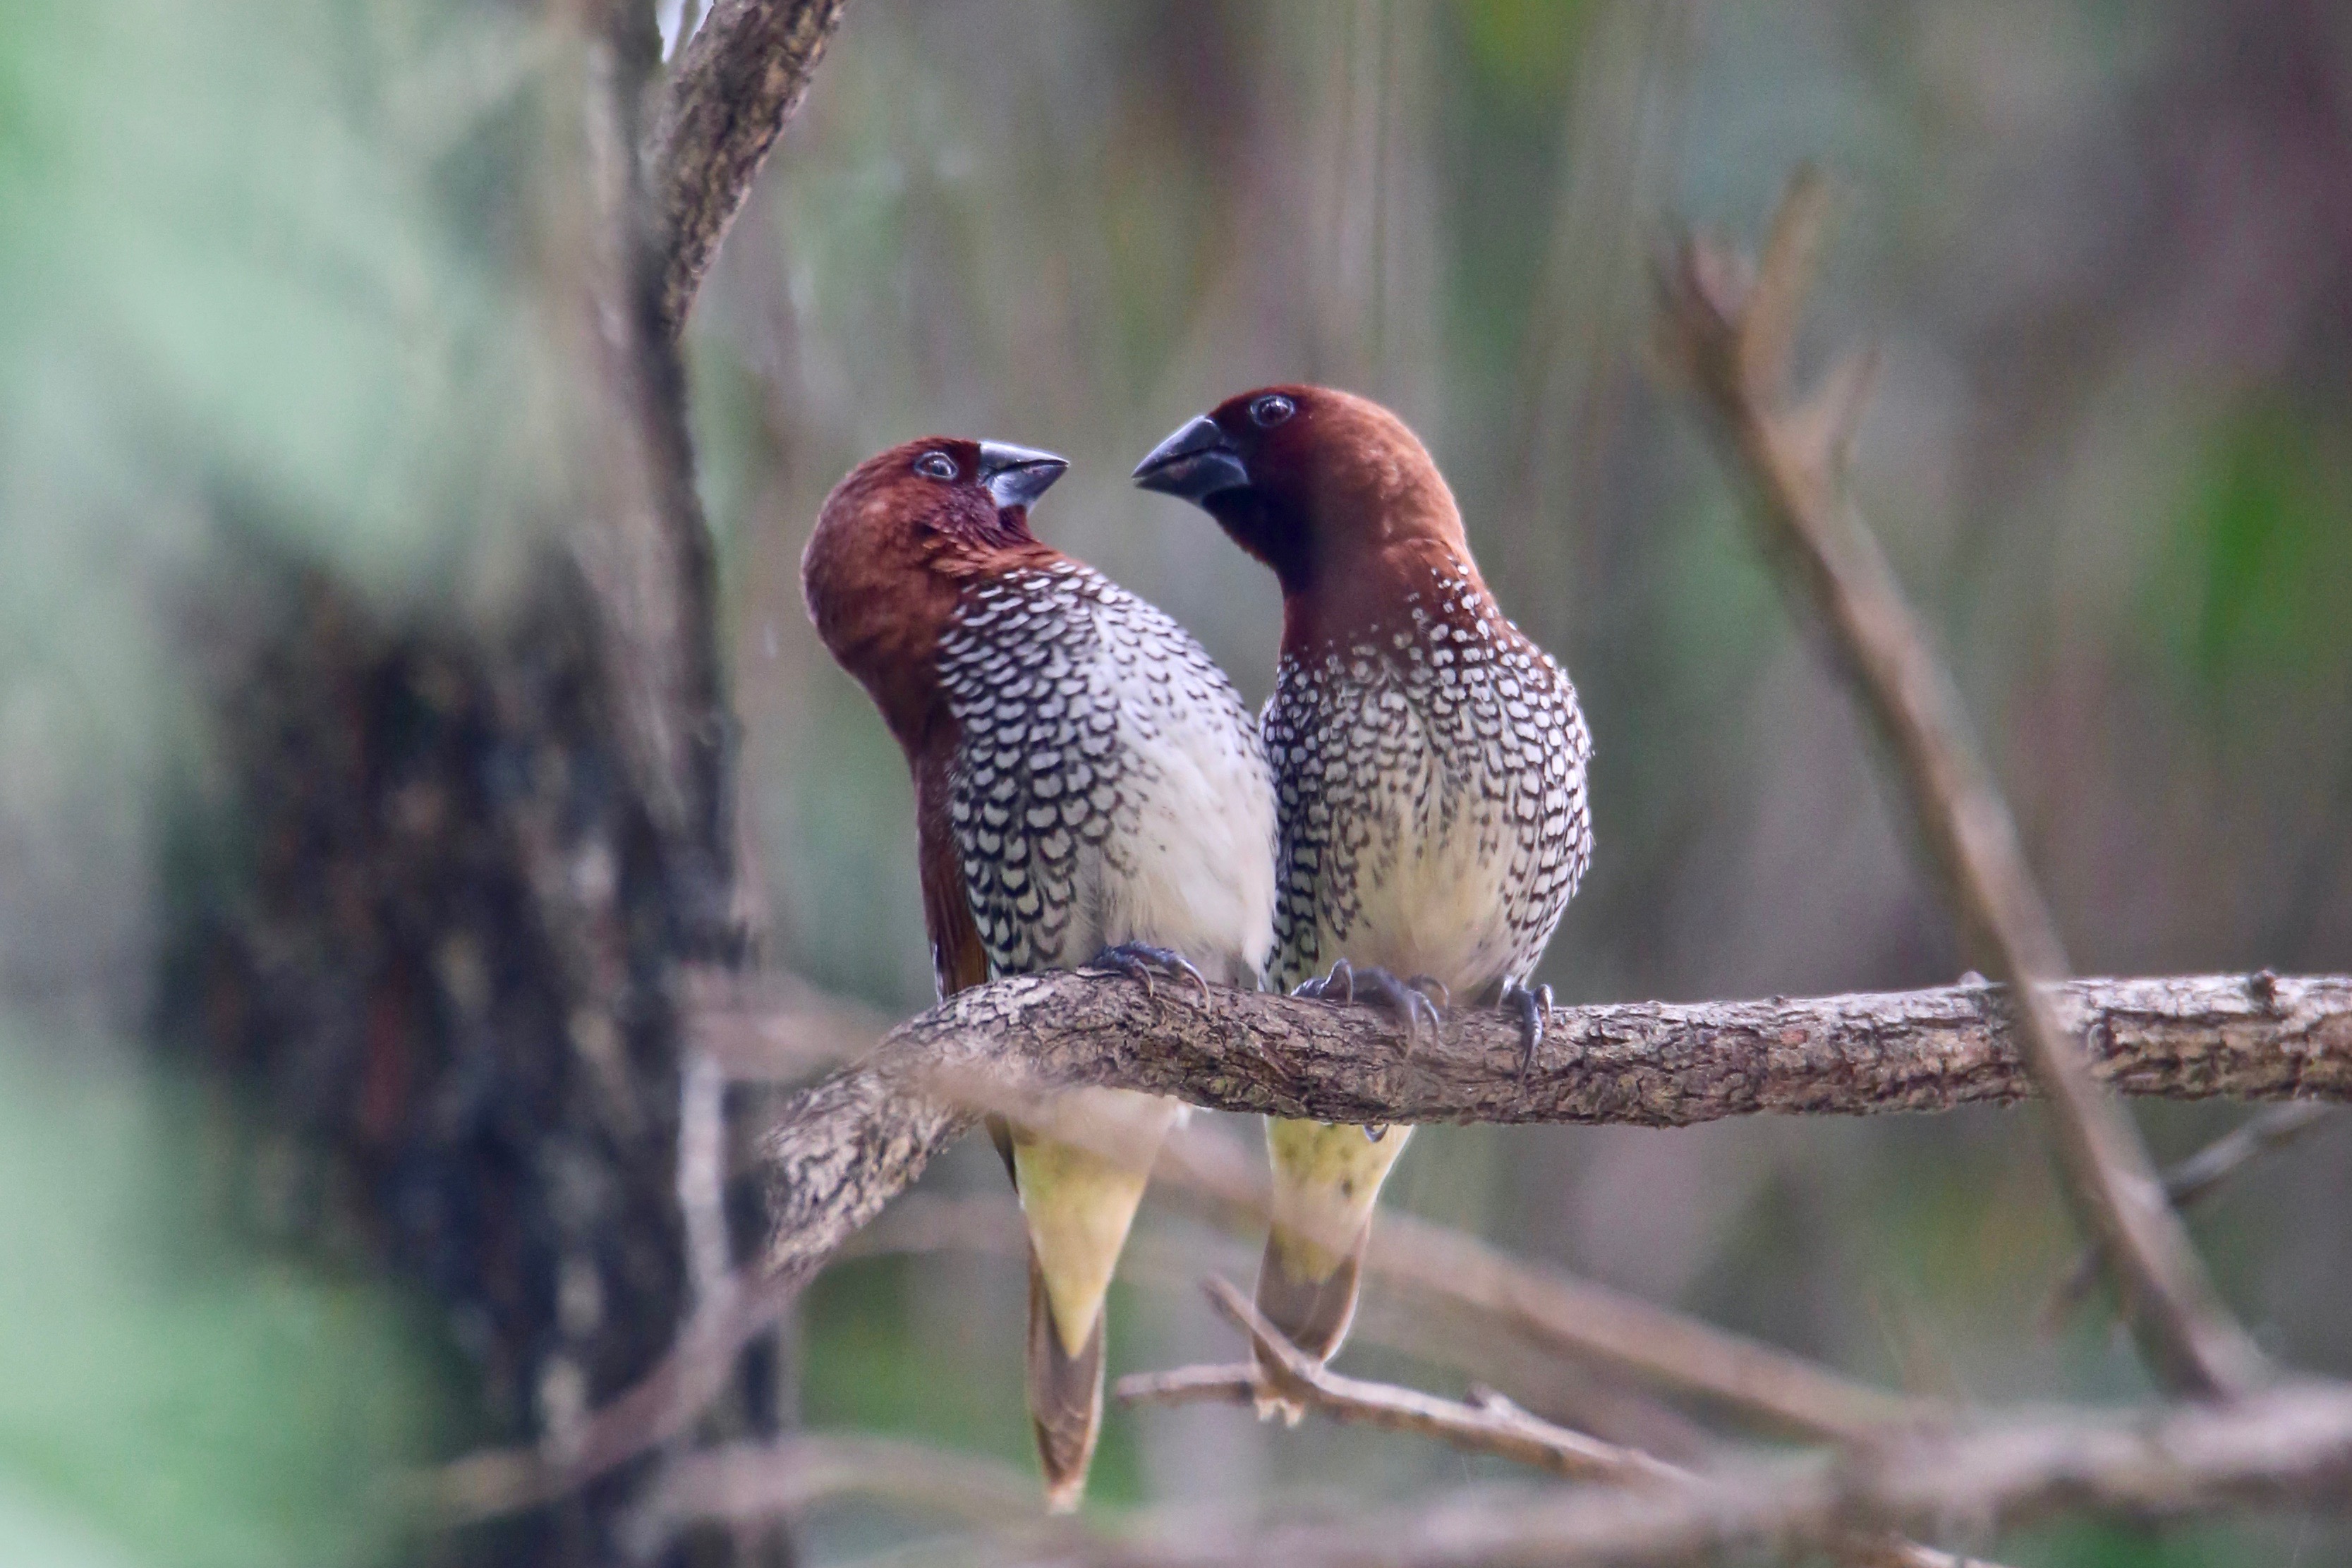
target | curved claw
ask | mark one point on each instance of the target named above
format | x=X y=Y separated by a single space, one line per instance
x=1375 y=985
x=1534 y=1009
x=1141 y=960
x=1433 y=988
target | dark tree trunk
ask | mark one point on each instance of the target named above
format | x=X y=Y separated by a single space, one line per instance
x=427 y=931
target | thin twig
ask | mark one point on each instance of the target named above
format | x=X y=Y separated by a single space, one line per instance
x=1446 y=1332
x=1430 y=1264
x=2197 y=1178
x=1490 y=1424
x=1498 y=1428
x=1731 y=332
x=753 y=1483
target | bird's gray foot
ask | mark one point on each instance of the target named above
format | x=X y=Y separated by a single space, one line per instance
x=1375 y=986
x=1142 y=961
x=1533 y=1011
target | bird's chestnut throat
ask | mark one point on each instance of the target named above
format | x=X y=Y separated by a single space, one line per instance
x=1374 y=597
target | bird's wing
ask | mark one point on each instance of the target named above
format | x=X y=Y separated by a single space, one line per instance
x=1035 y=787
x=958 y=958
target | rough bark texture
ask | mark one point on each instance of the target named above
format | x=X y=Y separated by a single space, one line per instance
x=734 y=86
x=843 y=1148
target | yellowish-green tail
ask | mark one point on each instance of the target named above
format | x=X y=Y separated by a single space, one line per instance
x=1079 y=1197
x=1326 y=1179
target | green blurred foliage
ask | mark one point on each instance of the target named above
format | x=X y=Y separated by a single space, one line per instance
x=170 y=1396
x=266 y=265
x=267 y=269
x=2265 y=557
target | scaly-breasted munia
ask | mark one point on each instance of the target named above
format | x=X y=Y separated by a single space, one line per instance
x=1430 y=766
x=1088 y=789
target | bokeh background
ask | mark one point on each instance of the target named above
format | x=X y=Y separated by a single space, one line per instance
x=276 y=335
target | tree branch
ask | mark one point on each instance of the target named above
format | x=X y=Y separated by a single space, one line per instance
x=778 y=1028
x=2287 y=1445
x=1731 y=332
x=1491 y=1427
x=843 y=1148
x=1435 y=1266
x=846 y=1146
x=734 y=86
x=2197 y=1178
x=750 y=1483
x=1488 y=1424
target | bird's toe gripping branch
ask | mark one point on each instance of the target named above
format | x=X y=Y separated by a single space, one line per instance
x=1533 y=1011
x=1375 y=986
x=1140 y=961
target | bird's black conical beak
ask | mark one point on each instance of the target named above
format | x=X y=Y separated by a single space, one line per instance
x=1195 y=463
x=1017 y=475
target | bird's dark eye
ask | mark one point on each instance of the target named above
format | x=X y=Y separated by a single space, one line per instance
x=1272 y=410
x=936 y=465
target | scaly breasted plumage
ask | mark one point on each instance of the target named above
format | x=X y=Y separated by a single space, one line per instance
x=1429 y=760
x=1085 y=779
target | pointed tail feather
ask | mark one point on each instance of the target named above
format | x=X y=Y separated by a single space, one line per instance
x=1078 y=1200
x=1326 y=1179
x=1066 y=1398
x=1311 y=1313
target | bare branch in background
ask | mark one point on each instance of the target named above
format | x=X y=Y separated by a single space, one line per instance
x=1487 y=1424
x=734 y=86
x=2288 y=1445
x=1493 y=1426
x=1731 y=332
x=1431 y=1266
x=750 y=1483
x=702 y=1176
x=772 y=1026
x=2197 y=1178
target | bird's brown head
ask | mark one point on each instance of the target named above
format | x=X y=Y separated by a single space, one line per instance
x=1331 y=490
x=896 y=542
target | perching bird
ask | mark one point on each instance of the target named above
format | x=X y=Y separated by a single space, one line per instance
x=1430 y=764
x=1088 y=789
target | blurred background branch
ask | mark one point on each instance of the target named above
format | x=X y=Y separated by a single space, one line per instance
x=2285 y=1445
x=1732 y=329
